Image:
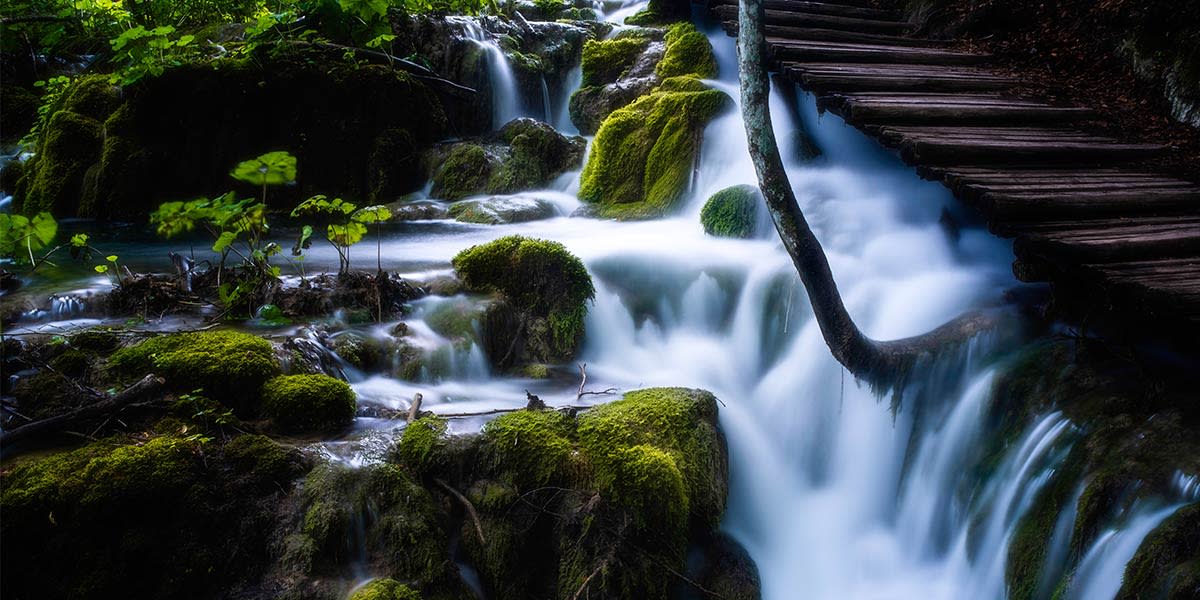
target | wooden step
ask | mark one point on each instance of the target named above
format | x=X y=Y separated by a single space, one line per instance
x=1114 y=243
x=982 y=151
x=870 y=53
x=816 y=34
x=948 y=108
x=838 y=10
x=1084 y=204
x=803 y=19
x=877 y=78
x=1016 y=228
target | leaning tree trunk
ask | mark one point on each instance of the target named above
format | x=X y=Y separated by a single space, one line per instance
x=882 y=364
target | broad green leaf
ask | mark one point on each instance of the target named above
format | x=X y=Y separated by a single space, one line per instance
x=304 y=242
x=79 y=240
x=346 y=235
x=224 y=241
x=373 y=214
x=42 y=228
x=272 y=168
x=112 y=258
x=101 y=268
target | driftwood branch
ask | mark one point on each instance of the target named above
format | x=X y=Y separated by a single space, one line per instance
x=883 y=364
x=467 y=505
x=583 y=382
x=107 y=407
x=415 y=409
x=414 y=69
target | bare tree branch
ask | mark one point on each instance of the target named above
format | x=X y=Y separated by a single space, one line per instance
x=883 y=364
x=107 y=407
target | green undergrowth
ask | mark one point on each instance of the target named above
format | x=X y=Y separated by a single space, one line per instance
x=308 y=403
x=142 y=516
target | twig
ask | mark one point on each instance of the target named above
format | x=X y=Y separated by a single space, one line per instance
x=498 y=411
x=583 y=381
x=467 y=505
x=149 y=385
x=415 y=409
x=412 y=68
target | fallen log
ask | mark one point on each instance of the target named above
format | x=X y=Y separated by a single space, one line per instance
x=104 y=407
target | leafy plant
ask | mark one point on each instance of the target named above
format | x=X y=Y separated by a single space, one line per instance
x=21 y=236
x=347 y=227
x=143 y=52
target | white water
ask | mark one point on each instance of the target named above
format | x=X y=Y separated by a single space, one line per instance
x=505 y=99
x=833 y=495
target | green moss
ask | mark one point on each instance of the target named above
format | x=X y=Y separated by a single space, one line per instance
x=604 y=61
x=731 y=212
x=642 y=158
x=538 y=153
x=385 y=589
x=418 y=447
x=688 y=53
x=92 y=96
x=538 y=277
x=464 y=172
x=530 y=448
x=1165 y=563
x=455 y=319
x=536 y=371
x=308 y=403
x=71 y=362
x=54 y=178
x=263 y=459
x=47 y=394
x=1027 y=550
x=229 y=366
x=95 y=340
x=677 y=422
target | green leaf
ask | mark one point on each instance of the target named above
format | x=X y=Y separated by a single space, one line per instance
x=42 y=230
x=304 y=242
x=373 y=214
x=346 y=235
x=272 y=168
x=322 y=205
x=101 y=268
x=79 y=240
x=112 y=258
x=224 y=241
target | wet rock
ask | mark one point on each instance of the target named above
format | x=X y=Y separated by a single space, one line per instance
x=524 y=154
x=615 y=73
x=362 y=295
x=418 y=210
x=728 y=571
x=308 y=403
x=497 y=210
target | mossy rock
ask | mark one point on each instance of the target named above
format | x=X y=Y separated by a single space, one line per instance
x=498 y=210
x=53 y=180
x=642 y=158
x=464 y=172
x=731 y=212
x=385 y=589
x=419 y=448
x=229 y=366
x=688 y=54
x=542 y=281
x=308 y=403
x=604 y=61
x=531 y=448
x=1167 y=564
x=143 y=517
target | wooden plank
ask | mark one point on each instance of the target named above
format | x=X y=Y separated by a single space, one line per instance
x=982 y=151
x=1084 y=204
x=817 y=34
x=840 y=10
x=1015 y=228
x=802 y=19
x=858 y=83
x=1114 y=243
x=870 y=53
x=952 y=112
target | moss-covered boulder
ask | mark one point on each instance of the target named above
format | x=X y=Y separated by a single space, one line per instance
x=604 y=503
x=228 y=366
x=143 y=517
x=524 y=154
x=688 y=53
x=377 y=516
x=545 y=291
x=731 y=212
x=308 y=403
x=1167 y=564
x=178 y=135
x=643 y=156
x=385 y=589
x=615 y=73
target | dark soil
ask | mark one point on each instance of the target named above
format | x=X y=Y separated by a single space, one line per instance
x=1069 y=51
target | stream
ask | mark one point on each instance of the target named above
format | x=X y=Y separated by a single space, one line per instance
x=834 y=495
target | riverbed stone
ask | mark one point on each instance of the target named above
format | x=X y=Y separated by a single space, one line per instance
x=522 y=155
x=731 y=212
x=498 y=210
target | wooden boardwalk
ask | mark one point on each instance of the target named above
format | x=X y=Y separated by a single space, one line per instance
x=1107 y=234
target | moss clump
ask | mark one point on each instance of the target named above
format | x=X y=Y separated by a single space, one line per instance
x=54 y=178
x=422 y=439
x=463 y=173
x=229 y=366
x=385 y=589
x=145 y=517
x=530 y=447
x=1166 y=564
x=688 y=53
x=541 y=280
x=537 y=154
x=95 y=340
x=731 y=212
x=309 y=403
x=634 y=437
x=604 y=61
x=641 y=160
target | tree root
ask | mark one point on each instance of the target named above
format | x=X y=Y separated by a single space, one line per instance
x=467 y=505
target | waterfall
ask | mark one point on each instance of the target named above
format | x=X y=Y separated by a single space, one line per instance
x=505 y=99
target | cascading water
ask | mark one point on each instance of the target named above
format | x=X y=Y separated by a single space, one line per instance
x=505 y=99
